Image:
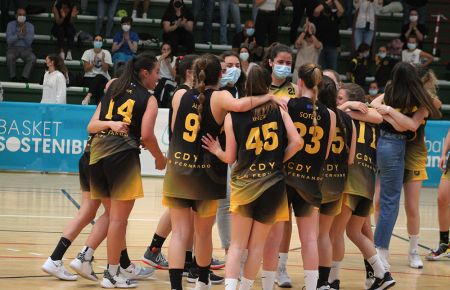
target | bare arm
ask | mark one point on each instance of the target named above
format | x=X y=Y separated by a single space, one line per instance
x=428 y=58
x=409 y=123
x=169 y=28
x=352 y=151
x=213 y=145
x=259 y=2
x=332 y=131
x=339 y=7
x=445 y=149
x=176 y=99
x=295 y=142
x=117 y=45
x=87 y=66
x=133 y=45
x=58 y=18
x=96 y=125
x=372 y=116
x=394 y=123
x=230 y=104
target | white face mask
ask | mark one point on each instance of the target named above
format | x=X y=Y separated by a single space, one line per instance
x=413 y=18
x=126 y=27
x=21 y=18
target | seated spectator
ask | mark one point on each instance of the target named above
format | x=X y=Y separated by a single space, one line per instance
x=225 y=7
x=102 y=5
x=96 y=63
x=125 y=43
x=166 y=84
x=65 y=14
x=365 y=21
x=419 y=5
x=413 y=27
x=246 y=59
x=308 y=48
x=414 y=55
x=384 y=65
x=266 y=24
x=54 y=86
x=136 y=6
x=84 y=6
x=178 y=24
x=245 y=38
x=233 y=79
x=19 y=37
x=207 y=8
x=374 y=91
x=358 y=67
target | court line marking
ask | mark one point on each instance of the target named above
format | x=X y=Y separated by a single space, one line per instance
x=35 y=254
x=69 y=217
x=73 y=201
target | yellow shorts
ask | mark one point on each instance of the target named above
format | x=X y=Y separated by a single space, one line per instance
x=415 y=175
x=360 y=206
x=332 y=208
x=446 y=174
x=203 y=208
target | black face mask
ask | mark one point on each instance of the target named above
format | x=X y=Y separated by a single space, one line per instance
x=177 y=4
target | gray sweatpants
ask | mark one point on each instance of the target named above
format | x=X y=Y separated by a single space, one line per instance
x=223 y=215
x=26 y=54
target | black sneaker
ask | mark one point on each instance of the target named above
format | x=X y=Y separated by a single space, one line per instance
x=383 y=283
x=335 y=285
x=193 y=275
x=187 y=267
x=155 y=258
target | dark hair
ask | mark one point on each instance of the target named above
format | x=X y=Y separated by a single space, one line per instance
x=58 y=62
x=406 y=90
x=250 y=55
x=258 y=83
x=363 y=47
x=182 y=64
x=311 y=75
x=207 y=70
x=98 y=34
x=240 y=84
x=170 y=10
x=412 y=36
x=272 y=52
x=413 y=9
x=355 y=92
x=131 y=73
x=126 y=19
x=171 y=49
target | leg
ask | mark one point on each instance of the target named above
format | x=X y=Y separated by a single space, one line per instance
x=376 y=198
x=224 y=7
x=70 y=34
x=240 y=232
x=260 y=29
x=236 y=14
x=11 y=57
x=412 y=200
x=357 y=37
x=110 y=22
x=367 y=229
x=255 y=247
x=223 y=219
x=273 y=28
x=333 y=58
x=324 y=241
x=203 y=245
x=146 y=5
x=188 y=41
x=100 y=229
x=368 y=37
x=30 y=59
x=443 y=205
x=101 y=10
x=348 y=8
x=97 y=86
x=58 y=33
x=209 y=9
x=297 y=16
x=308 y=232
x=181 y=228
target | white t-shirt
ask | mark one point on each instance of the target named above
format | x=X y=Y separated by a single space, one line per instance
x=164 y=69
x=268 y=5
x=91 y=57
x=54 y=88
x=411 y=56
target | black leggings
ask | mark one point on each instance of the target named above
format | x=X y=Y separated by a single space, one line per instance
x=64 y=31
x=96 y=87
x=180 y=37
x=266 y=26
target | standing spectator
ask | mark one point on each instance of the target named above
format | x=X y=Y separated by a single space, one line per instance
x=166 y=83
x=413 y=27
x=308 y=48
x=245 y=38
x=358 y=67
x=384 y=65
x=414 y=55
x=84 y=6
x=101 y=12
x=348 y=10
x=125 y=43
x=225 y=7
x=19 y=36
x=207 y=6
x=365 y=21
x=178 y=24
x=65 y=14
x=136 y=6
x=419 y=5
x=266 y=24
x=96 y=63
x=297 y=15
x=54 y=86
x=326 y=17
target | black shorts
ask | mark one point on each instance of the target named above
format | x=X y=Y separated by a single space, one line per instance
x=360 y=206
x=84 y=172
x=301 y=207
x=117 y=177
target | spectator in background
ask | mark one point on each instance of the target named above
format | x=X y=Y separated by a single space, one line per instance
x=246 y=37
x=326 y=17
x=19 y=37
x=102 y=5
x=299 y=9
x=136 y=6
x=178 y=25
x=207 y=6
x=54 y=86
x=384 y=65
x=96 y=63
x=65 y=14
x=125 y=43
x=414 y=55
x=374 y=91
x=348 y=11
x=358 y=67
x=419 y=5
x=266 y=24
x=84 y=6
x=413 y=27
x=225 y=7
x=308 y=48
x=166 y=83
x=365 y=21
x=246 y=59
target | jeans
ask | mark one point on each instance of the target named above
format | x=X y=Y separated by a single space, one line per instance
x=225 y=7
x=391 y=164
x=328 y=57
x=362 y=35
x=101 y=11
x=223 y=215
x=208 y=7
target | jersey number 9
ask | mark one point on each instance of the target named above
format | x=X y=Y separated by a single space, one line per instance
x=191 y=124
x=270 y=138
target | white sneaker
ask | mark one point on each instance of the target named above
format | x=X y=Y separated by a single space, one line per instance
x=62 y=55
x=57 y=269
x=83 y=267
x=144 y=15
x=116 y=281
x=414 y=260
x=283 y=280
x=134 y=14
x=134 y=272
x=384 y=257
x=369 y=283
x=202 y=286
x=324 y=287
x=69 y=55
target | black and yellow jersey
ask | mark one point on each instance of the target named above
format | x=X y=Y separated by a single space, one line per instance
x=361 y=174
x=416 y=151
x=335 y=170
x=128 y=108
x=193 y=172
x=305 y=167
x=87 y=148
x=386 y=126
x=261 y=141
x=179 y=87
x=287 y=89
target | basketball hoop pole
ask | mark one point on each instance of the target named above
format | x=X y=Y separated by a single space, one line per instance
x=436 y=31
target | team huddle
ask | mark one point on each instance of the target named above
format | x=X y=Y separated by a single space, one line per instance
x=255 y=150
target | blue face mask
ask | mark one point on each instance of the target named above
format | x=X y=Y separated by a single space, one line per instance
x=250 y=31
x=98 y=44
x=281 y=71
x=373 y=92
x=230 y=77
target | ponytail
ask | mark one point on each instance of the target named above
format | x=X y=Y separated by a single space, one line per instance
x=311 y=75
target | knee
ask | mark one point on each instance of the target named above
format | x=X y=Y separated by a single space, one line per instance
x=443 y=200
x=31 y=58
x=353 y=234
x=10 y=57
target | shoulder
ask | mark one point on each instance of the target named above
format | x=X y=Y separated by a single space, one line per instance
x=11 y=24
x=134 y=35
x=118 y=35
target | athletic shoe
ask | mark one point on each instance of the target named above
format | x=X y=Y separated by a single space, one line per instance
x=441 y=252
x=69 y=55
x=324 y=287
x=383 y=283
x=369 y=282
x=213 y=278
x=134 y=272
x=83 y=267
x=57 y=269
x=155 y=258
x=414 y=260
x=202 y=286
x=116 y=281
x=217 y=264
x=335 y=285
x=282 y=279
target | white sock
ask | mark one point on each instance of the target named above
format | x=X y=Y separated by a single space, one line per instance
x=268 y=279
x=246 y=284
x=244 y=256
x=230 y=283
x=413 y=243
x=113 y=269
x=334 y=272
x=88 y=252
x=311 y=277
x=282 y=259
x=144 y=15
x=377 y=266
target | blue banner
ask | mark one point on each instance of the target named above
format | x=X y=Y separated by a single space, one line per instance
x=435 y=132
x=42 y=137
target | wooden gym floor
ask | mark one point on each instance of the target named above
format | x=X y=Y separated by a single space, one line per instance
x=34 y=211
